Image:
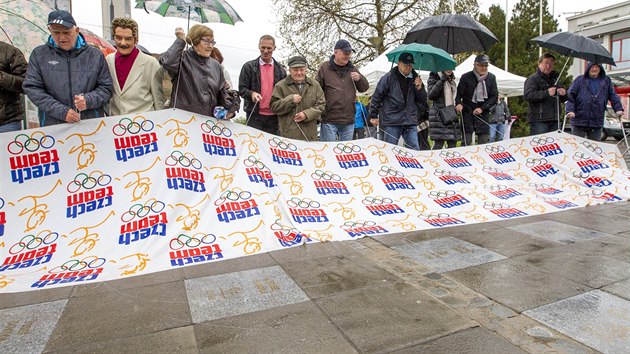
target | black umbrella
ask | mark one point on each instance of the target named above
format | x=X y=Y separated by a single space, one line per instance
x=576 y=46
x=455 y=33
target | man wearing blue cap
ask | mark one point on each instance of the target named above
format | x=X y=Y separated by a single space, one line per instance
x=399 y=102
x=67 y=79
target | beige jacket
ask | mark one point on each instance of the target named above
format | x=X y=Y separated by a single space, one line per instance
x=143 y=88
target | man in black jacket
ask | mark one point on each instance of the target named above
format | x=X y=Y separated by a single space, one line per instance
x=542 y=94
x=255 y=84
x=477 y=92
x=12 y=72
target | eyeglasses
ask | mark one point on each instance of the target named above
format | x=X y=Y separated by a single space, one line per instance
x=208 y=41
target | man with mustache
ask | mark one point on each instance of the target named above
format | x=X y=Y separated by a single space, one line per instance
x=137 y=76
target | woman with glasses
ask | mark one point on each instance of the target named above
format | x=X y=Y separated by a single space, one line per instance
x=198 y=81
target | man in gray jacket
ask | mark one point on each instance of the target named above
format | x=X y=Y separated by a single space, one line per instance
x=67 y=79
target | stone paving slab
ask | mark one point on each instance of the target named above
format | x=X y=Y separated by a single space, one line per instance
x=26 y=329
x=621 y=289
x=610 y=224
x=228 y=266
x=558 y=231
x=237 y=293
x=448 y=253
x=311 y=250
x=404 y=238
x=168 y=276
x=508 y=242
x=11 y=300
x=612 y=246
x=595 y=318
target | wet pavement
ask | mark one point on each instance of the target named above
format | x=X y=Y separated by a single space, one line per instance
x=552 y=283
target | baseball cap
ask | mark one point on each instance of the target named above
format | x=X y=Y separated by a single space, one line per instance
x=60 y=17
x=406 y=58
x=297 y=61
x=344 y=45
x=482 y=59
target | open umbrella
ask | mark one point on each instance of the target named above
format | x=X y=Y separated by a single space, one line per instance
x=455 y=33
x=576 y=46
x=425 y=57
x=96 y=41
x=197 y=10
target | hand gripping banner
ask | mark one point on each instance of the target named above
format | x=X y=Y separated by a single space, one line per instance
x=122 y=196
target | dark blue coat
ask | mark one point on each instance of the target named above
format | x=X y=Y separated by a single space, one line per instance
x=589 y=107
x=390 y=106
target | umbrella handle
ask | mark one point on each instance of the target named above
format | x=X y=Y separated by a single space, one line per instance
x=144 y=5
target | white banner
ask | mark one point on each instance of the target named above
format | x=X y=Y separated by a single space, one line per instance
x=123 y=196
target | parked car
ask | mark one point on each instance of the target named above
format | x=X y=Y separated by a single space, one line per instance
x=613 y=125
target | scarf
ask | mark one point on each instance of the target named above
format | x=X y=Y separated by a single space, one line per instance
x=481 y=93
x=449 y=93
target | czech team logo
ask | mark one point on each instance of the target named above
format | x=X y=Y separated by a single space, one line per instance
x=72 y=271
x=601 y=195
x=142 y=221
x=502 y=191
x=592 y=181
x=134 y=138
x=587 y=164
x=540 y=167
x=440 y=219
x=497 y=173
x=450 y=177
x=258 y=172
x=405 y=158
x=559 y=203
x=448 y=198
x=362 y=228
x=379 y=206
x=217 y=139
x=394 y=179
x=88 y=193
x=31 y=251
x=502 y=210
x=544 y=188
x=284 y=152
x=306 y=210
x=545 y=146
x=183 y=171
x=327 y=182
x=454 y=159
x=236 y=205
x=350 y=156
x=288 y=236
x=498 y=154
x=3 y=217
x=199 y=248
x=33 y=157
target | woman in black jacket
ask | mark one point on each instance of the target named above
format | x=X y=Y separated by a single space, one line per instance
x=442 y=89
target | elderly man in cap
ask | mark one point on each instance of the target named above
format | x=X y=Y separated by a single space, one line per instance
x=477 y=93
x=340 y=81
x=67 y=79
x=299 y=102
x=399 y=101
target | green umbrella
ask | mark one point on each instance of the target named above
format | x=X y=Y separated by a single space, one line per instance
x=425 y=57
x=197 y=10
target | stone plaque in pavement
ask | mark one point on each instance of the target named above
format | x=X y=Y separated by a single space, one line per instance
x=557 y=231
x=26 y=329
x=237 y=293
x=448 y=253
x=595 y=318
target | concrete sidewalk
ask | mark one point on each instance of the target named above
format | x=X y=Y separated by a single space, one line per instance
x=553 y=283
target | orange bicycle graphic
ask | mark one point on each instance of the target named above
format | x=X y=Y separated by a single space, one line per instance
x=5 y=281
x=427 y=183
x=87 y=241
x=190 y=218
x=141 y=185
x=225 y=178
x=346 y=212
x=403 y=223
x=414 y=201
x=180 y=136
x=295 y=187
x=141 y=260
x=378 y=151
x=250 y=245
x=318 y=160
x=37 y=211
x=86 y=151
x=252 y=147
x=321 y=235
x=366 y=186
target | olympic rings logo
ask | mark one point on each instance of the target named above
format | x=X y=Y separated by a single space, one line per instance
x=592 y=147
x=579 y=156
x=281 y=144
x=441 y=194
x=348 y=148
x=386 y=171
x=445 y=154
x=191 y=242
x=232 y=195
x=593 y=192
x=532 y=161
x=132 y=126
x=140 y=210
x=303 y=203
x=434 y=215
x=493 y=149
x=217 y=128
x=440 y=172
x=31 y=242
x=85 y=181
x=493 y=205
x=541 y=141
x=378 y=200
x=276 y=226
x=539 y=185
x=491 y=169
x=185 y=160
x=252 y=161
x=495 y=187
x=581 y=175
x=30 y=143
x=400 y=152
x=325 y=175
x=359 y=223
x=73 y=265
x=1 y=203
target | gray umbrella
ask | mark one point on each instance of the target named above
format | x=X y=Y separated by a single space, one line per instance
x=576 y=46
x=455 y=33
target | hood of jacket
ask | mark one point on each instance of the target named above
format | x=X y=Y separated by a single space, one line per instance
x=79 y=46
x=602 y=72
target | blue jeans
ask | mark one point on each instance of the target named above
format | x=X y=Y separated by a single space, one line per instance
x=329 y=132
x=409 y=133
x=496 y=130
x=11 y=127
x=589 y=133
x=549 y=126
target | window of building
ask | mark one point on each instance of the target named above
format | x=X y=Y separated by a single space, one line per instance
x=620 y=45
